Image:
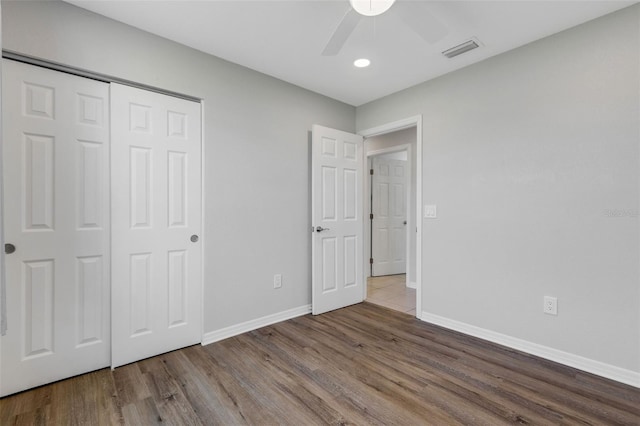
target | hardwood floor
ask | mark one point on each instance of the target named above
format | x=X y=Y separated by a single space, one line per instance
x=364 y=364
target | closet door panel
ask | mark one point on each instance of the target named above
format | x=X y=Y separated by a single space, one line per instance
x=56 y=215
x=156 y=210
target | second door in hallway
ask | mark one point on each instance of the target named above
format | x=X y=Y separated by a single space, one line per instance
x=389 y=223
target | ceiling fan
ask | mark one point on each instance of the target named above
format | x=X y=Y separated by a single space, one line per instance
x=414 y=15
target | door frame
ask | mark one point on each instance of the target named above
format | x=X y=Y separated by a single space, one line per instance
x=368 y=238
x=203 y=211
x=390 y=127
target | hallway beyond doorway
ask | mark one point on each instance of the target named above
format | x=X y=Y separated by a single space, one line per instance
x=391 y=291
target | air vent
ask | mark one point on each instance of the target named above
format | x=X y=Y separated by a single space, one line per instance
x=461 y=48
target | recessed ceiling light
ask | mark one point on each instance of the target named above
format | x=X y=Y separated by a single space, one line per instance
x=361 y=63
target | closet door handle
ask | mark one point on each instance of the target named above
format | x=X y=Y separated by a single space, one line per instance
x=194 y=238
x=9 y=248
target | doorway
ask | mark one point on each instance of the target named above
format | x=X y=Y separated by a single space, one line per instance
x=338 y=194
x=391 y=237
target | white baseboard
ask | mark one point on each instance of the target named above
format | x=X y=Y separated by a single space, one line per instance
x=234 y=330
x=585 y=364
x=412 y=284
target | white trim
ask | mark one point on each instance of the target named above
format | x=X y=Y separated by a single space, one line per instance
x=389 y=150
x=416 y=121
x=608 y=371
x=3 y=283
x=366 y=218
x=234 y=330
x=58 y=66
x=391 y=127
x=202 y=219
x=412 y=284
x=419 y=162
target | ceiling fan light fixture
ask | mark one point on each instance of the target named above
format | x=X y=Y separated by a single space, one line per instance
x=371 y=7
x=362 y=63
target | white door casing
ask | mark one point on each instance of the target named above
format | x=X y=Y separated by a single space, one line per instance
x=156 y=213
x=389 y=225
x=56 y=214
x=337 y=218
x=392 y=127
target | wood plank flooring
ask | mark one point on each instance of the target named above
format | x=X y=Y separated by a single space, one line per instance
x=364 y=364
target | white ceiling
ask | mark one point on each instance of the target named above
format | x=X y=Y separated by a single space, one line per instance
x=285 y=39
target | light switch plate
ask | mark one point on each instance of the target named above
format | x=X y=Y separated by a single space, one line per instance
x=430 y=211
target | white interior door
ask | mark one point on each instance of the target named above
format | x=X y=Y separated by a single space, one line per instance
x=337 y=248
x=156 y=219
x=56 y=197
x=389 y=223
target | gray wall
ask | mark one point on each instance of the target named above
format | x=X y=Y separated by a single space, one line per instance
x=527 y=156
x=256 y=149
x=401 y=137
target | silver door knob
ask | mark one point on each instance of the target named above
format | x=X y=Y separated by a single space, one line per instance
x=320 y=229
x=194 y=238
x=9 y=248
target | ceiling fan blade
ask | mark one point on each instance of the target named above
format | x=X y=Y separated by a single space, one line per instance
x=421 y=21
x=348 y=23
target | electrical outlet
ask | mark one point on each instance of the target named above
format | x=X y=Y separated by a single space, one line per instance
x=550 y=305
x=277 y=281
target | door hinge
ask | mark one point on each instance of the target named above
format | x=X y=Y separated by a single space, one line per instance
x=371 y=260
x=371 y=216
x=370 y=171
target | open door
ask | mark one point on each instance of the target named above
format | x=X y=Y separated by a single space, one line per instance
x=337 y=219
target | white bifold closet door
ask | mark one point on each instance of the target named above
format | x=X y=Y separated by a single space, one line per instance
x=56 y=216
x=156 y=217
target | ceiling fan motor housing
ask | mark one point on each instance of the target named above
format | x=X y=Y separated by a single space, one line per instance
x=371 y=7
